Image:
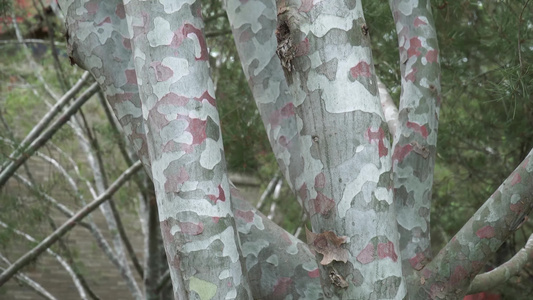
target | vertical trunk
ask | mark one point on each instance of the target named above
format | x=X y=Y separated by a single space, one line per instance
x=345 y=181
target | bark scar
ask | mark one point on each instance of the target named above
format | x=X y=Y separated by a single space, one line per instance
x=285 y=50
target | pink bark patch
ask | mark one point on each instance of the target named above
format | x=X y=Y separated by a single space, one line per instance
x=361 y=69
x=432 y=56
x=123 y=97
x=162 y=72
x=459 y=274
x=486 y=232
x=247 y=216
x=209 y=98
x=306 y=6
x=323 y=204
x=281 y=287
x=287 y=110
x=126 y=43
x=367 y=255
x=275 y=118
x=191 y=228
x=119 y=11
x=197 y=128
x=516 y=179
x=106 y=20
x=313 y=274
x=157 y=119
x=174 y=181
x=190 y=29
x=174 y=99
x=283 y=141
x=412 y=75
x=221 y=194
x=320 y=181
x=418 y=128
x=302 y=48
x=131 y=76
x=285 y=236
x=378 y=136
x=414 y=44
x=245 y=36
x=418 y=22
x=215 y=219
x=91 y=7
x=400 y=152
x=416 y=261
x=387 y=250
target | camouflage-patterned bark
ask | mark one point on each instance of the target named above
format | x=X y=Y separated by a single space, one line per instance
x=330 y=139
x=185 y=148
x=451 y=271
x=416 y=138
x=92 y=47
x=345 y=181
x=253 y=25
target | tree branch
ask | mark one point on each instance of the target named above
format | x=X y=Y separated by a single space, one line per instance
x=68 y=225
x=46 y=135
x=504 y=272
x=453 y=269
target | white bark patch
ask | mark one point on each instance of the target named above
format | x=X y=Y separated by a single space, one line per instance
x=269 y=94
x=211 y=155
x=273 y=259
x=341 y=95
x=197 y=45
x=171 y=6
x=231 y=294
x=227 y=237
x=406 y=7
x=369 y=173
x=126 y=108
x=343 y=22
x=175 y=131
x=251 y=9
x=160 y=165
x=95 y=62
x=180 y=69
x=254 y=248
x=160 y=35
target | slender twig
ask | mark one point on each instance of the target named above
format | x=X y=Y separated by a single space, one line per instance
x=162 y=282
x=93 y=154
x=68 y=225
x=46 y=135
x=30 y=41
x=268 y=191
x=518 y=38
x=60 y=259
x=30 y=283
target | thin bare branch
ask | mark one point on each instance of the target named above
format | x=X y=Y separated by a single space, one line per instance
x=68 y=225
x=46 y=135
x=61 y=260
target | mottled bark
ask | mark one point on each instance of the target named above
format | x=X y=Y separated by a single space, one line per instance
x=416 y=137
x=450 y=273
x=321 y=108
x=345 y=183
